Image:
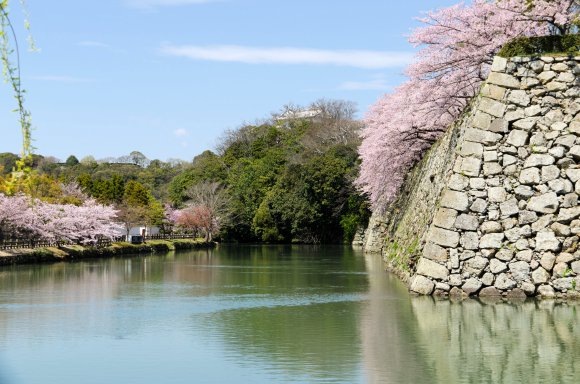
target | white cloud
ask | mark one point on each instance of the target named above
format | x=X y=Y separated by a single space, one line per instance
x=62 y=79
x=151 y=4
x=376 y=84
x=96 y=44
x=180 y=132
x=289 y=55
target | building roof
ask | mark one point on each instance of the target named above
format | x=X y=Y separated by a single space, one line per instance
x=300 y=114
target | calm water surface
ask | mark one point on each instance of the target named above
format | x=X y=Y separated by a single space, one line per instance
x=293 y=314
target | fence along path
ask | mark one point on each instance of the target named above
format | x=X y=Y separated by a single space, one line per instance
x=29 y=243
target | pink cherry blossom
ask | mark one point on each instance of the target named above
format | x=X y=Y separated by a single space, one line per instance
x=22 y=216
x=457 y=46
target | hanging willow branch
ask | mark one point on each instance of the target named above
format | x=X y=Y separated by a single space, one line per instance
x=11 y=73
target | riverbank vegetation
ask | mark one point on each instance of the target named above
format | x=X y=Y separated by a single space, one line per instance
x=78 y=252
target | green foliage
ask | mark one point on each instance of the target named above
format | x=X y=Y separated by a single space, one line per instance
x=314 y=201
x=205 y=167
x=71 y=161
x=533 y=46
x=8 y=161
x=135 y=194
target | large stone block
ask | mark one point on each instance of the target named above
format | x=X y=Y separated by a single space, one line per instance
x=573 y=174
x=445 y=218
x=503 y=80
x=539 y=159
x=455 y=200
x=458 y=182
x=530 y=176
x=469 y=148
x=526 y=124
x=479 y=206
x=434 y=252
x=432 y=269
x=492 y=107
x=496 y=266
x=504 y=282
x=517 y=138
x=481 y=121
x=546 y=240
x=499 y=126
x=509 y=208
x=550 y=173
x=555 y=86
x=496 y=194
x=499 y=64
x=480 y=136
x=491 y=169
x=422 y=285
x=470 y=240
x=443 y=237
x=471 y=286
x=547 y=261
x=540 y=276
x=475 y=266
x=546 y=76
x=470 y=166
x=520 y=270
x=467 y=222
x=566 y=215
x=519 y=97
x=546 y=292
x=546 y=203
x=492 y=241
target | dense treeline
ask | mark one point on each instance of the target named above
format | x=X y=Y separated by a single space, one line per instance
x=286 y=179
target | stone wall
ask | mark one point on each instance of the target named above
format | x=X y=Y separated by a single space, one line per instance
x=507 y=221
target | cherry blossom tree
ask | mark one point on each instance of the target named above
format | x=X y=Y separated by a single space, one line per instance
x=457 y=48
x=15 y=216
x=198 y=218
x=21 y=216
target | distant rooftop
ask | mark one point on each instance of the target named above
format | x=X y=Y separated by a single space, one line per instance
x=300 y=114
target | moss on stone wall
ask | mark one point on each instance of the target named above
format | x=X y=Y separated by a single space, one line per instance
x=409 y=216
x=534 y=46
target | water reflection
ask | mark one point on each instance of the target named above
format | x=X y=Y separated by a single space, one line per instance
x=267 y=314
x=422 y=339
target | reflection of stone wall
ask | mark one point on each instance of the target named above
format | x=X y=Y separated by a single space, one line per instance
x=472 y=342
x=387 y=329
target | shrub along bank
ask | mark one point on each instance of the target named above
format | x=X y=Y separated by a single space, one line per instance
x=77 y=252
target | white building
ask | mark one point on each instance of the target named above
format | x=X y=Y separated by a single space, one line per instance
x=308 y=114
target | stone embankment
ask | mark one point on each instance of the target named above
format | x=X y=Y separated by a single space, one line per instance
x=75 y=253
x=507 y=219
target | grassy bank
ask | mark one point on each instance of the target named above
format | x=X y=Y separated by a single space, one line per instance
x=77 y=252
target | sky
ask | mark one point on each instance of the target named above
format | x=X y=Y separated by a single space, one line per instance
x=169 y=77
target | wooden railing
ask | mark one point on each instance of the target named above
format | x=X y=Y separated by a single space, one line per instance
x=28 y=243
x=171 y=236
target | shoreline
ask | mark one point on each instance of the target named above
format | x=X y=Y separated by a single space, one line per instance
x=72 y=253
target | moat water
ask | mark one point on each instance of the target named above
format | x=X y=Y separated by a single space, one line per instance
x=267 y=314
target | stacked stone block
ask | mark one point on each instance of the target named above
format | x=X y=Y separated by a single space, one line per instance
x=508 y=222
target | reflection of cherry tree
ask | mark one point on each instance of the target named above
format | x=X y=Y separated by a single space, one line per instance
x=458 y=44
x=22 y=216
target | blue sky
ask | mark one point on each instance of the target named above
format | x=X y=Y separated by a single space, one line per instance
x=168 y=77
